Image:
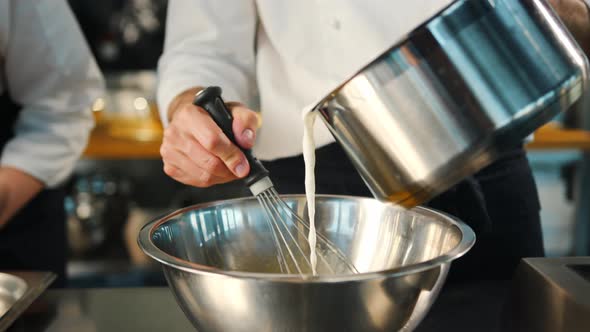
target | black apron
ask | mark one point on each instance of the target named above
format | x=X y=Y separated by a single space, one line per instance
x=500 y=203
x=35 y=238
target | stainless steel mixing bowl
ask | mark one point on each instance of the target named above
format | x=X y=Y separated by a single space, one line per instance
x=220 y=261
x=444 y=102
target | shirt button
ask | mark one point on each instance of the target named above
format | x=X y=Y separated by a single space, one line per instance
x=335 y=23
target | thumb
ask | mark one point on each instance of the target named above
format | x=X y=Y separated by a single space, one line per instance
x=246 y=123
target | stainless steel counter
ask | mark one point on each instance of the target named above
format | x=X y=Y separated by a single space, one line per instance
x=467 y=307
x=109 y=309
x=550 y=294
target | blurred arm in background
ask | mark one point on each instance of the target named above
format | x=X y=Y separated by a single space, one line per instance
x=47 y=69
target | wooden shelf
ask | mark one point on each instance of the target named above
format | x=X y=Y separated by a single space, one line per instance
x=102 y=145
x=551 y=137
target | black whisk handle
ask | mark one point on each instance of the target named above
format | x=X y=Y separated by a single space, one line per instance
x=210 y=100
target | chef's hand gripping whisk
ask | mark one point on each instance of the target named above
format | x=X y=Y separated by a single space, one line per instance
x=289 y=230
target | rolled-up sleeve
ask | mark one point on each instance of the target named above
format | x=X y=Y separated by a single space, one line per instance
x=50 y=71
x=208 y=42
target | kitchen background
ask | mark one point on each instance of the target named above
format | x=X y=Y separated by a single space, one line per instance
x=119 y=184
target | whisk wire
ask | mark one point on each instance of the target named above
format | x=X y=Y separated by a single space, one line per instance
x=286 y=226
x=280 y=255
x=290 y=233
x=323 y=240
x=278 y=202
x=276 y=230
x=280 y=217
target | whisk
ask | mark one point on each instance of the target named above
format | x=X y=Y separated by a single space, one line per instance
x=288 y=229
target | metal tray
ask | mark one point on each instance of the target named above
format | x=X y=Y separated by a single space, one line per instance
x=12 y=289
x=17 y=291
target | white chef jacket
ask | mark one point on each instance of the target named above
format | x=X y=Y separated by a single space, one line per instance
x=46 y=66
x=279 y=56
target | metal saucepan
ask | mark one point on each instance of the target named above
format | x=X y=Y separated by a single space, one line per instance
x=220 y=262
x=474 y=80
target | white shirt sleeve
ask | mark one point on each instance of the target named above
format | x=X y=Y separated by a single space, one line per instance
x=208 y=42
x=50 y=71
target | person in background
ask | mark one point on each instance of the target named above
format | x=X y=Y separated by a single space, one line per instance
x=48 y=81
x=282 y=57
x=575 y=14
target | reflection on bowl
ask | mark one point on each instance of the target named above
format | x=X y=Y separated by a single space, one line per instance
x=220 y=261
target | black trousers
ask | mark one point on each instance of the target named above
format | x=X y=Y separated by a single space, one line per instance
x=35 y=238
x=500 y=203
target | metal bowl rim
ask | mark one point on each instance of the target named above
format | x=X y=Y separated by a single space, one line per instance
x=149 y=248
